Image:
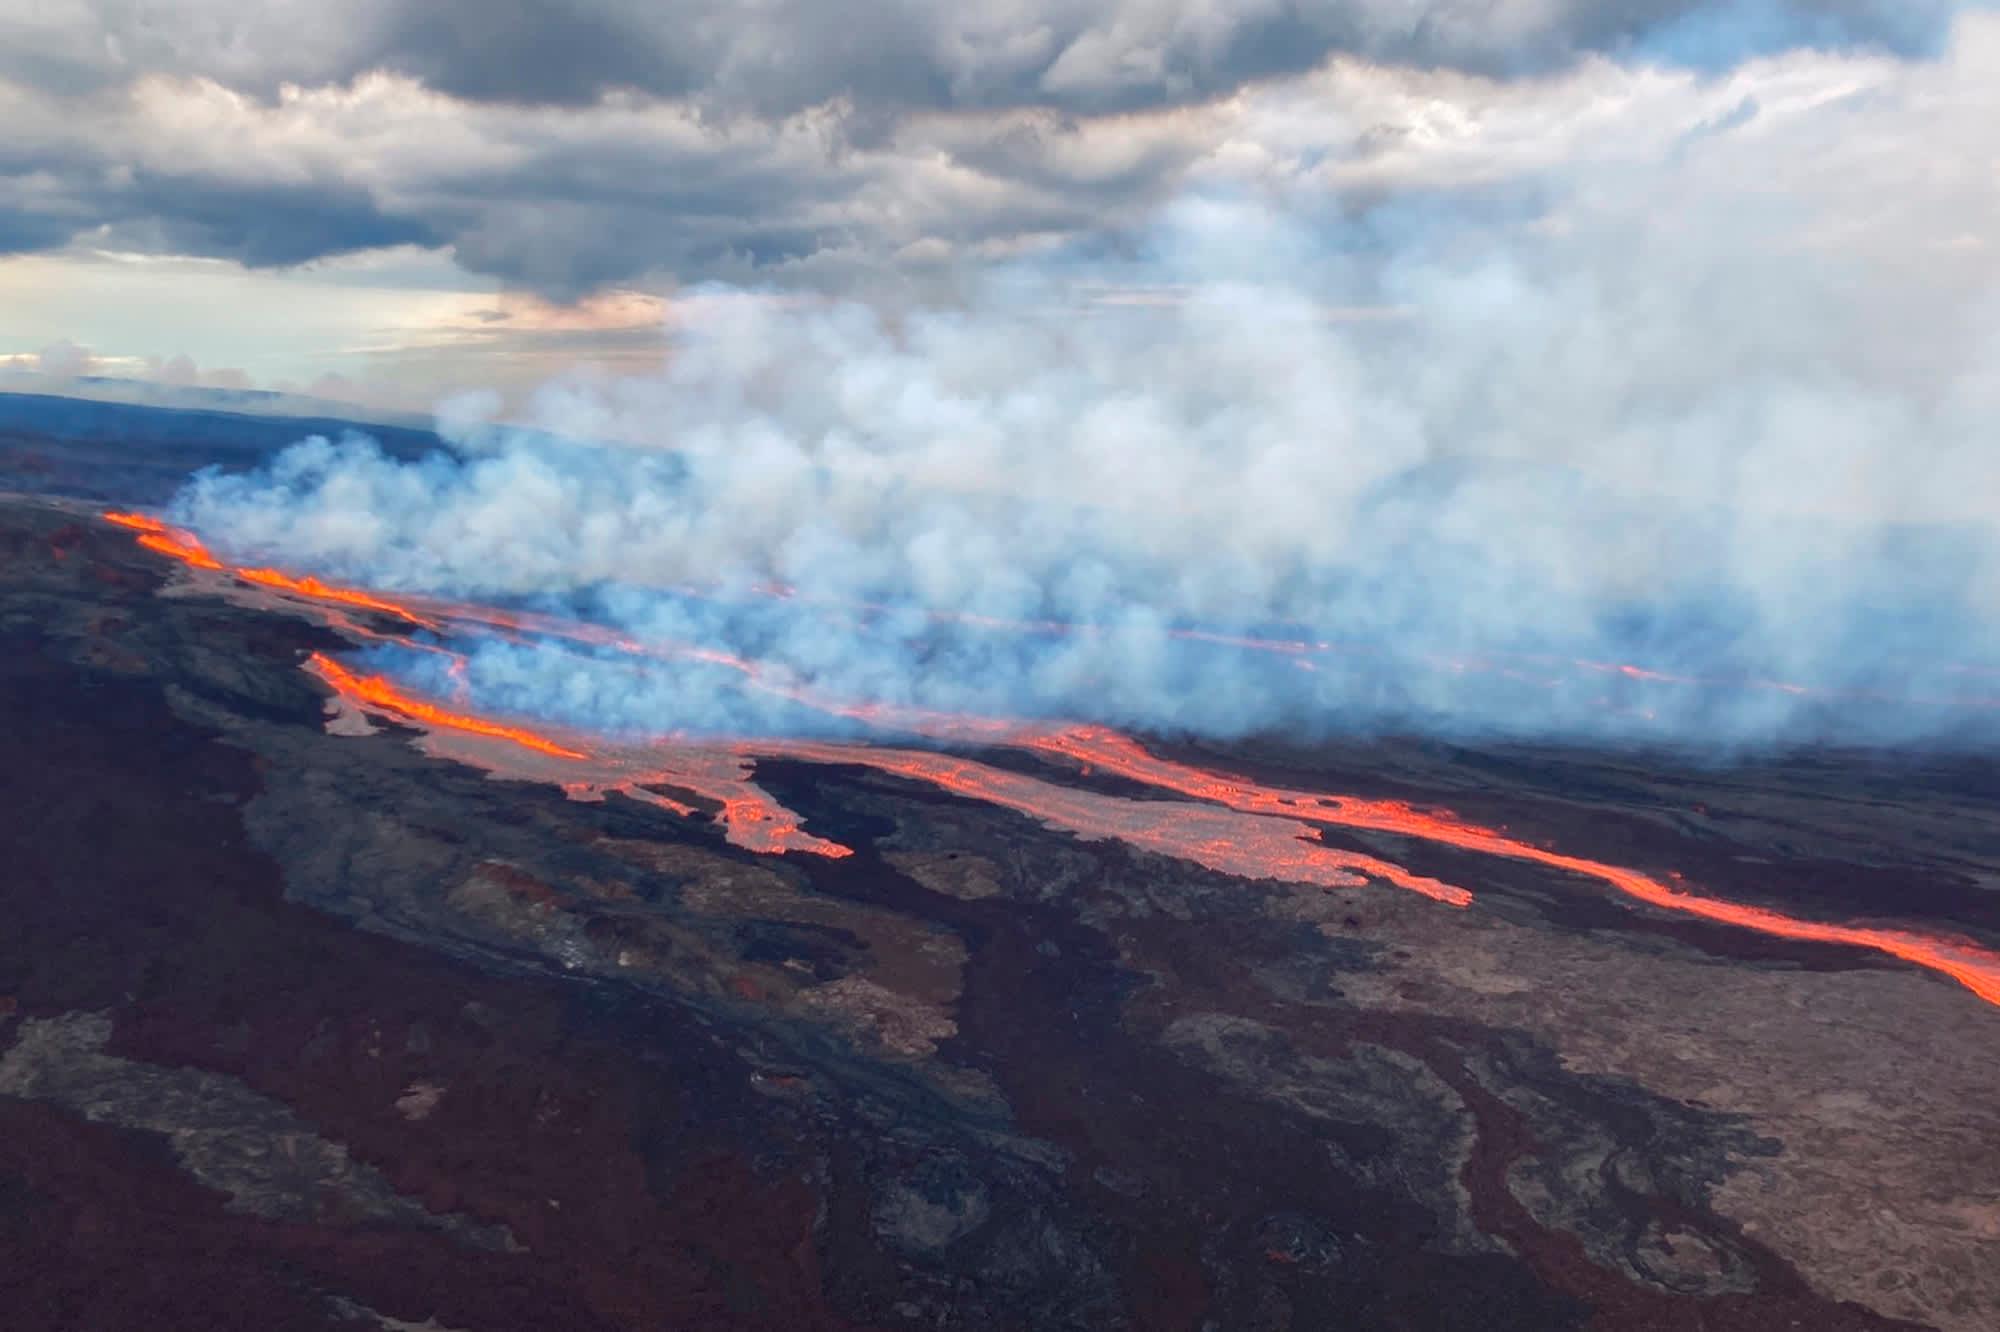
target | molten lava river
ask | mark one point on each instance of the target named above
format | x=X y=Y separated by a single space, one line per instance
x=1224 y=822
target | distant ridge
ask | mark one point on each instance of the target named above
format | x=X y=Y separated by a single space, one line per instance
x=139 y=454
x=196 y=397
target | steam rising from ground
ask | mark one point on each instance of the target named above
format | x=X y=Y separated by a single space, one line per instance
x=1723 y=409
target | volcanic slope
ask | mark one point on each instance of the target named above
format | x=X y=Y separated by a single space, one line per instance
x=338 y=1030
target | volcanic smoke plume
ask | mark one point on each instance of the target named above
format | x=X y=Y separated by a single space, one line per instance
x=1633 y=454
x=920 y=731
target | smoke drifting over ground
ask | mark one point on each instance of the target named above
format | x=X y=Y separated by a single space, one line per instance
x=1721 y=411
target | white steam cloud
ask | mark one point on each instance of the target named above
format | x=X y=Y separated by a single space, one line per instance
x=1720 y=406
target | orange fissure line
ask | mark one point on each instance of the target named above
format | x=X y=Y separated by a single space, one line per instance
x=1975 y=967
x=316 y=590
x=182 y=545
x=1269 y=848
x=377 y=691
x=1228 y=841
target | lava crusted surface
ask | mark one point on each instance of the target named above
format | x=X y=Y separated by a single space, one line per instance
x=312 y=1030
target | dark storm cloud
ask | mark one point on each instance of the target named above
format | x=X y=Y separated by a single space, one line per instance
x=1084 y=56
x=539 y=51
x=266 y=226
x=21 y=234
x=51 y=195
x=564 y=144
x=782 y=55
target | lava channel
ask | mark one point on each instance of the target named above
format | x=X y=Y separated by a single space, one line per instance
x=1099 y=748
x=379 y=692
x=1248 y=846
x=1274 y=846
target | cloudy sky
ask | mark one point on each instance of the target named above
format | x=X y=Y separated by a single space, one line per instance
x=391 y=201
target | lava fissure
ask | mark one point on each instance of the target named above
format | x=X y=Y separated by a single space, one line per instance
x=1230 y=824
x=1975 y=967
x=379 y=692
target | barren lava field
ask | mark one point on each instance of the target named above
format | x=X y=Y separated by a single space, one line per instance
x=325 y=1005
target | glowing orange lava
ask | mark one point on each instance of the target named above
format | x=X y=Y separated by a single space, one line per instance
x=377 y=691
x=156 y=536
x=1252 y=846
x=1235 y=825
x=188 y=552
x=749 y=817
x=315 y=590
x=184 y=546
x=1976 y=968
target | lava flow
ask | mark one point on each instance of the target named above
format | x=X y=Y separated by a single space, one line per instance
x=1976 y=968
x=156 y=536
x=184 y=546
x=720 y=776
x=749 y=817
x=314 y=590
x=379 y=692
x=1252 y=846
x=1233 y=825
x=1249 y=846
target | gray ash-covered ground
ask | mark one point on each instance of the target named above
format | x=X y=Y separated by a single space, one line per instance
x=315 y=1031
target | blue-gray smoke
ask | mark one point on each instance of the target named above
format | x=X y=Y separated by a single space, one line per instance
x=1715 y=416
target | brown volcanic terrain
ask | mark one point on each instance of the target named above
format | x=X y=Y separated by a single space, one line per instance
x=311 y=1030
